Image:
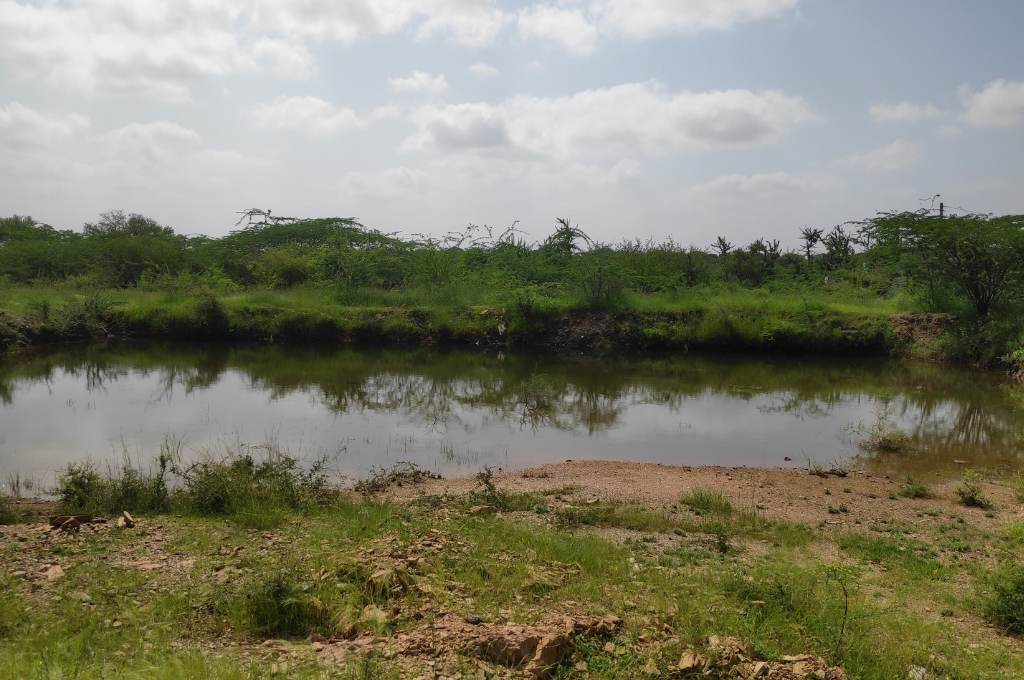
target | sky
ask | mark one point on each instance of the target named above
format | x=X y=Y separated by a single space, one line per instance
x=660 y=119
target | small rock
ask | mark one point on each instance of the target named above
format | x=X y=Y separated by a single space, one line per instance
x=53 y=572
x=917 y=673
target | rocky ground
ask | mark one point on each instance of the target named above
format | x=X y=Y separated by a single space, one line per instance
x=577 y=570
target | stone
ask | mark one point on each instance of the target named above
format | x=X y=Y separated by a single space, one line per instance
x=551 y=651
x=53 y=572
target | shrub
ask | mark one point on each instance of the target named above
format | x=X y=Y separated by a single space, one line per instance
x=601 y=287
x=970 y=492
x=8 y=514
x=277 y=607
x=83 y=317
x=913 y=489
x=1005 y=605
x=256 y=491
x=887 y=440
x=81 y=488
x=281 y=268
x=707 y=501
x=211 y=315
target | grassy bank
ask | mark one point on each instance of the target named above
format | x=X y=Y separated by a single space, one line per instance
x=713 y=318
x=306 y=584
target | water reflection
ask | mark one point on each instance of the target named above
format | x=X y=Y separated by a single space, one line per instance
x=451 y=410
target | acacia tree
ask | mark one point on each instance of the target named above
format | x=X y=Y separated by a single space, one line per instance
x=980 y=255
x=811 y=236
x=721 y=246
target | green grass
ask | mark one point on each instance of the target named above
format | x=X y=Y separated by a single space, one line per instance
x=717 y=316
x=707 y=501
x=782 y=600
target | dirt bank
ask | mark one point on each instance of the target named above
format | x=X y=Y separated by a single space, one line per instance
x=792 y=495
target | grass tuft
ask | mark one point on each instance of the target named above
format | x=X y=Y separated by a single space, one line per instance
x=707 y=501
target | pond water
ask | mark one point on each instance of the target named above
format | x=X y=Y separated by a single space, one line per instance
x=455 y=411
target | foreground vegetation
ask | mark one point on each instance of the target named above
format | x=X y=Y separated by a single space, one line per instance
x=331 y=279
x=251 y=567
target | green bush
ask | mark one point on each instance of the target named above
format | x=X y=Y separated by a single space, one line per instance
x=256 y=491
x=707 y=501
x=970 y=492
x=1005 y=605
x=82 y=488
x=281 y=268
x=8 y=514
x=602 y=286
x=913 y=489
x=277 y=607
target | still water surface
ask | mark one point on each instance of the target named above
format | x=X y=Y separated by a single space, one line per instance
x=456 y=411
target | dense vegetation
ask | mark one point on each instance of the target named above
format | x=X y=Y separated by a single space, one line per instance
x=971 y=267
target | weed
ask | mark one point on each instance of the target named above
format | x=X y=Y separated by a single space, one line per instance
x=399 y=474
x=970 y=491
x=913 y=489
x=276 y=606
x=1005 y=606
x=8 y=513
x=707 y=501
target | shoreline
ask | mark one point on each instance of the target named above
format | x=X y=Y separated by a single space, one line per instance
x=788 y=494
x=793 y=331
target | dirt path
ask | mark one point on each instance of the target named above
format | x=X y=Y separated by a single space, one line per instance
x=792 y=495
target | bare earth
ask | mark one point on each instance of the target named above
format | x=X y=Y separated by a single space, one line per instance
x=792 y=495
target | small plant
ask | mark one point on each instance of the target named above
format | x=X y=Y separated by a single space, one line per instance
x=399 y=474
x=277 y=607
x=707 y=501
x=886 y=440
x=8 y=513
x=834 y=469
x=1017 y=484
x=913 y=489
x=1005 y=606
x=970 y=492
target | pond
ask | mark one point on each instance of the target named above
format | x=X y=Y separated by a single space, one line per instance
x=457 y=411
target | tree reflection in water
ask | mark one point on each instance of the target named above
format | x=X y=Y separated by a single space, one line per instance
x=950 y=414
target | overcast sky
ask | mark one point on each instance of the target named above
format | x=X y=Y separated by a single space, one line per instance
x=636 y=118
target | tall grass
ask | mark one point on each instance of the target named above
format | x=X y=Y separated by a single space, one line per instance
x=256 y=486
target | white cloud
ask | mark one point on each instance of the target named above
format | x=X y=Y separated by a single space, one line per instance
x=22 y=127
x=391 y=182
x=642 y=19
x=156 y=143
x=311 y=114
x=483 y=71
x=899 y=155
x=576 y=26
x=999 y=105
x=949 y=131
x=286 y=58
x=903 y=112
x=569 y=28
x=420 y=82
x=762 y=184
x=622 y=120
x=162 y=48
x=150 y=47
x=469 y=22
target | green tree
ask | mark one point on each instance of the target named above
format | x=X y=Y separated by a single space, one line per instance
x=980 y=256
